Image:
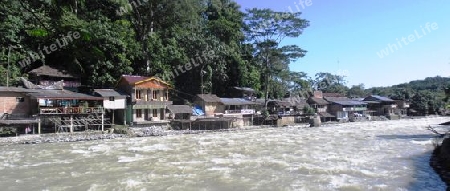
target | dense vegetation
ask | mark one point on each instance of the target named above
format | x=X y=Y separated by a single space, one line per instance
x=199 y=46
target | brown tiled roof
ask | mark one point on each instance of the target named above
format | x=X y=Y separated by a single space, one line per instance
x=209 y=98
x=53 y=71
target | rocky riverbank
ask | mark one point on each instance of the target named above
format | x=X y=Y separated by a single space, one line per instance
x=440 y=161
x=59 y=137
x=97 y=135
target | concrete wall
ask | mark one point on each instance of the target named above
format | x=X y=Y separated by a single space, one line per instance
x=286 y=120
x=118 y=103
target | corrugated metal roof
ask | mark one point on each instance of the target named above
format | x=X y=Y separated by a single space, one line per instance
x=325 y=114
x=378 y=98
x=209 y=98
x=15 y=89
x=381 y=98
x=180 y=109
x=236 y=101
x=337 y=98
x=109 y=93
x=349 y=103
x=62 y=95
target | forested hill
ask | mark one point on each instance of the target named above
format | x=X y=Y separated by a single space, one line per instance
x=431 y=83
x=425 y=95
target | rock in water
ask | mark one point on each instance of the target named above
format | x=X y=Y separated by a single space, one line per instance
x=315 y=121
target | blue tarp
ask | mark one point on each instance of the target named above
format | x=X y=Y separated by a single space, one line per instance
x=197 y=110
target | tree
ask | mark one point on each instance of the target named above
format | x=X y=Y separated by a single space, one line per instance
x=299 y=83
x=330 y=83
x=267 y=29
x=357 y=91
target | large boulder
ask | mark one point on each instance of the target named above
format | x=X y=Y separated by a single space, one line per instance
x=315 y=121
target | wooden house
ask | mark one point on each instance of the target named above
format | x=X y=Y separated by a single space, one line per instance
x=297 y=103
x=382 y=106
x=402 y=107
x=46 y=75
x=345 y=108
x=68 y=111
x=237 y=106
x=209 y=103
x=180 y=112
x=148 y=98
x=320 y=105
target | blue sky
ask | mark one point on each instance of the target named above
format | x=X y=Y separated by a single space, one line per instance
x=346 y=37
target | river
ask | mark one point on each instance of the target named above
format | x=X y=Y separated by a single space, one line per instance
x=388 y=155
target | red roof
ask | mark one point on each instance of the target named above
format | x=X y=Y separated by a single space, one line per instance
x=133 y=79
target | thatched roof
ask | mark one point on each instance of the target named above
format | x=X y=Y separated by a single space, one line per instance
x=52 y=71
x=317 y=101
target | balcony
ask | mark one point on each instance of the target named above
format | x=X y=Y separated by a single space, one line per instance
x=154 y=102
x=69 y=110
x=240 y=111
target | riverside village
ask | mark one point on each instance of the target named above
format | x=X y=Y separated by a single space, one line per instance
x=219 y=95
x=54 y=101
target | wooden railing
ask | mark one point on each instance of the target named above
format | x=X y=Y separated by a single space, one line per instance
x=70 y=110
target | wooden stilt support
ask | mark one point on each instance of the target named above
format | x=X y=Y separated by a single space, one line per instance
x=103 y=121
x=39 y=125
x=71 y=123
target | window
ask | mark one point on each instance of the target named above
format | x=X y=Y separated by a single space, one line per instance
x=20 y=99
x=155 y=94
x=111 y=98
x=155 y=113
x=138 y=94
x=138 y=113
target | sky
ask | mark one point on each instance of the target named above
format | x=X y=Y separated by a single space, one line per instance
x=377 y=43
